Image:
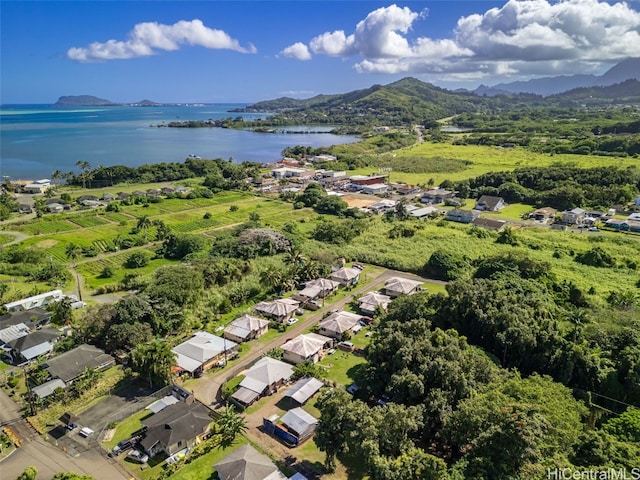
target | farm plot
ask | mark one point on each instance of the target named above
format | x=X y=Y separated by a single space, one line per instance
x=45 y=226
x=86 y=221
x=118 y=217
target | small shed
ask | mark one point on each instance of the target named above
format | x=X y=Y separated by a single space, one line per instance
x=305 y=388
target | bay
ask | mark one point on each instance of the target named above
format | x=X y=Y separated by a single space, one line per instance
x=36 y=140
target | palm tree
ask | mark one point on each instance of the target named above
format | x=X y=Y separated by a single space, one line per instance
x=56 y=175
x=155 y=360
x=230 y=425
x=73 y=252
x=84 y=166
x=144 y=223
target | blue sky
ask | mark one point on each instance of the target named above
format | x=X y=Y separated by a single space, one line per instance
x=245 y=51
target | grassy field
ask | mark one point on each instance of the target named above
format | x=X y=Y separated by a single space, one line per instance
x=486 y=159
x=342 y=367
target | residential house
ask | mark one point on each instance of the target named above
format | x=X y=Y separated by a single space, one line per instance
x=382 y=206
x=490 y=223
x=318 y=288
x=108 y=197
x=11 y=333
x=202 y=351
x=39 y=186
x=339 y=324
x=92 y=198
x=246 y=463
x=423 y=212
x=167 y=190
x=263 y=378
x=40 y=300
x=181 y=190
x=33 y=345
x=397 y=286
x=123 y=196
x=305 y=348
x=404 y=189
x=303 y=390
x=295 y=427
x=436 y=196
x=175 y=428
x=573 y=217
x=488 y=203
x=624 y=225
x=346 y=276
x=246 y=328
x=46 y=389
x=55 y=207
x=322 y=158
x=279 y=310
x=33 y=318
x=462 y=216
x=70 y=365
x=375 y=188
x=291 y=172
x=543 y=215
x=369 y=303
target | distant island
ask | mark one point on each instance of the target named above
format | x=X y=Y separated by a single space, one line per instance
x=91 y=101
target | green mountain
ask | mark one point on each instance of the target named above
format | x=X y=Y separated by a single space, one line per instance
x=403 y=102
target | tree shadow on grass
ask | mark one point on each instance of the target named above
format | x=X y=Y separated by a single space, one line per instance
x=357 y=373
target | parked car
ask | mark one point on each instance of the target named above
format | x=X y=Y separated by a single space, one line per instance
x=594 y=229
x=85 y=432
x=291 y=321
x=138 y=456
x=353 y=388
x=121 y=447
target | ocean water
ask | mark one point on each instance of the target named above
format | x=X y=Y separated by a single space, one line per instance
x=36 y=140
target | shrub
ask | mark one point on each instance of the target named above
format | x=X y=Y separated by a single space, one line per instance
x=137 y=260
x=596 y=257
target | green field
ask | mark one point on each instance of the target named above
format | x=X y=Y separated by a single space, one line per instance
x=485 y=159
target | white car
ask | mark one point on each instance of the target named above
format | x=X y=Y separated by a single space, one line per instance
x=291 y=321
x=138 y=456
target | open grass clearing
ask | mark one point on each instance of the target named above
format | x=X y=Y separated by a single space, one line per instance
x=486 y=159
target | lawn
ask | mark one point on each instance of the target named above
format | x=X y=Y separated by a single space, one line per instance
x=342 y=367
x=126 y=427
x=202 y=468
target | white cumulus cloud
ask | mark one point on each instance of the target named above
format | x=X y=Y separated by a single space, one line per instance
x=519 y=38
x=298 y=51
x=149 y=37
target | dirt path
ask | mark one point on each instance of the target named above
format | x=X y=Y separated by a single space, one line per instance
x=19 y=237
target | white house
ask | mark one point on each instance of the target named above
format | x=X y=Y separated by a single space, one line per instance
x=396 y=286
x=346 y=276
x=305 y=348
x=574 y=216
x=40 y=300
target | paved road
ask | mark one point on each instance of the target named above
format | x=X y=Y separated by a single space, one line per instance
x=50 y=460
x=207 y=388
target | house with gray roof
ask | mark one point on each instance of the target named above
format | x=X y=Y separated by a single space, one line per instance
x=33 y=345
x=371 y=301
x=202 y=351
x=48 y=388
x=264 y=377
x=32 y=318
x=279 y=310
x=489 y=203
x=346 y=276
x=246 y=463
x=303 y=390
x=338 y=324
x=71 y=365
x=305 y=348
x=175 y=428
x=246 y=328
x=396 y=286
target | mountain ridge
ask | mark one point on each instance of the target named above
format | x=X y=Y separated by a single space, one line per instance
x=546 y=86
